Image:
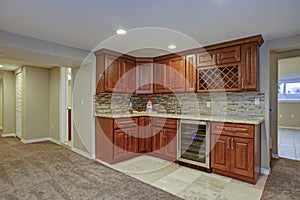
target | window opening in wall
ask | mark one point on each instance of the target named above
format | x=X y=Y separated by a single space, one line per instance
x=289 y=91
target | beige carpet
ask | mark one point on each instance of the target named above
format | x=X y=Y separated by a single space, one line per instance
x=284 y=181
x=49 y=171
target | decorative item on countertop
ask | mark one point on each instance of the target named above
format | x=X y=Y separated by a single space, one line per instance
x=149 y=107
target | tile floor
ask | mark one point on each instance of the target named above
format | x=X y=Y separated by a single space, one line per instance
x=188 y=183
x=289 y=143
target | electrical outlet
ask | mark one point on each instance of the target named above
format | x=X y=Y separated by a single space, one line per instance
x=292 y=116
x=208 y=104
x=256 y=101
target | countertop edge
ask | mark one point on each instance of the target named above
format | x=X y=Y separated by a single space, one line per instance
x=230 y=119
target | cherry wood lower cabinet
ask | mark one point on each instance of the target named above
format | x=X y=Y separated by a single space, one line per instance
x=145 y=136
x=236 y=150
x=116 y=139
x=123 y=138
x=164 y=138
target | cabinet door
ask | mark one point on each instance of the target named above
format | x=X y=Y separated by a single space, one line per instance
x=176 y=75
x=157 y=140
x=145 y=142
x=129 y=76
x=190 y=73
x=250 y=67
x=132 y=140
x=120 y=144
x=144 y=77
x=220 y=153
x=242 y=156
x=170 y=143
x=160 y=76
x=113 y=73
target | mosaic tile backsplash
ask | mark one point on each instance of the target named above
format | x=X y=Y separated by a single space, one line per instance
x=224 y=104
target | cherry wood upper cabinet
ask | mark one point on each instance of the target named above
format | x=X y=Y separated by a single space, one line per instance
x=144 y=76
x=161 y=68
x=190 y=73
x=250 y=55
x=115 y=72
x=177 y=75
x=230 y=66
x=128 y=79
x=169 y=75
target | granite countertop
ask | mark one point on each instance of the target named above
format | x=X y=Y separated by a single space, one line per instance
x=232 y=119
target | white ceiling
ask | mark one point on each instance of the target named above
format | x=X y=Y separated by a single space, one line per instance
x=84 y=24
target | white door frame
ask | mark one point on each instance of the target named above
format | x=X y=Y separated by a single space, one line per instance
x=63 y=105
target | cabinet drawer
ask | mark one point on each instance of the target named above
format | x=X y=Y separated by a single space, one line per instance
x=206 y=58
x=125 y=122
x=239 y=130
x=164 y=123
x=229 y=55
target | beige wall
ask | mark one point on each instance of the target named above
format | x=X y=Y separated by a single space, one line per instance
x=289 y=114
x=36 y=103
x=54 y=103
x=83 y=119
x=9 y=102
x=1 y=102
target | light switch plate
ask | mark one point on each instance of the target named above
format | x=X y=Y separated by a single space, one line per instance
x=208 y=104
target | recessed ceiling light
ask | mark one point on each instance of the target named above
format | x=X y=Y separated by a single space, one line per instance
x=172 y=46
x=121 y=32
x=1 y=66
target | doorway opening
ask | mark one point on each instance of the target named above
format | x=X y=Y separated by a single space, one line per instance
x=66 y=106
x=288 y=107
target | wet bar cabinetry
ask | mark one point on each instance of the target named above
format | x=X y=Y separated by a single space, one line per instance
x=235 y=150
x=116 y=139
x=164 y=138
x=230 y=66
x=119 y=139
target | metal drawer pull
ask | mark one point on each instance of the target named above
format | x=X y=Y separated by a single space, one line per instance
x=232 y=144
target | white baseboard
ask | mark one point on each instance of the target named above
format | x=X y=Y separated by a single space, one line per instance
x=8 y=135
x=34 y=140
x=274 y=155
x=289 y=127
x=54 y=141
x=265 y=171
x=80 y=152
